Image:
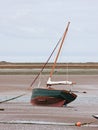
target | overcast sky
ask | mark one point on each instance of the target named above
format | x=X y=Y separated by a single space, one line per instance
x=29 y=30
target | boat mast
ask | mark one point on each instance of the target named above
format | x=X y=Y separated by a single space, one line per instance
x=62 y=41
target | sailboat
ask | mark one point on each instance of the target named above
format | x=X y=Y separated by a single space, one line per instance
x=49 y=96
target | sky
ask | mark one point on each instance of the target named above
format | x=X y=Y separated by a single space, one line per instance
x=30 y=29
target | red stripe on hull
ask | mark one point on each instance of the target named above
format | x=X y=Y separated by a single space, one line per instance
x=48 y=101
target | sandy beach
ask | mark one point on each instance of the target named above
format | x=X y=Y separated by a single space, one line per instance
x=17 y=114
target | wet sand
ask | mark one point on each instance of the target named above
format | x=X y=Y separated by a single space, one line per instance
x=20 y=109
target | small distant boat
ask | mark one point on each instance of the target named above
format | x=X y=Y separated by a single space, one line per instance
x=95 y=116
x=49 y=96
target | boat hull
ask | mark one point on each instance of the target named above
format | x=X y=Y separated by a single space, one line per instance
x=51 y=97
x=95 y=116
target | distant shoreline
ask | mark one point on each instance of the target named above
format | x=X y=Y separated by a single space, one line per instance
x=7 y=68
x=9 y=65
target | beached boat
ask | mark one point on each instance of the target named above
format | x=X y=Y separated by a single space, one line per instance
x=49 y=96
x=95 y=116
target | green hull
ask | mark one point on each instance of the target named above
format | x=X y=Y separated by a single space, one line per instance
x=52 y=93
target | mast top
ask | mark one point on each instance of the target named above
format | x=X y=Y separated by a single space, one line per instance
x=62 y=41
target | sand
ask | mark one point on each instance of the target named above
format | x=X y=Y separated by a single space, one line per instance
x=51 y=118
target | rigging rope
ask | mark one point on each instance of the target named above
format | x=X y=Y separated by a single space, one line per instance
x=45 y=63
